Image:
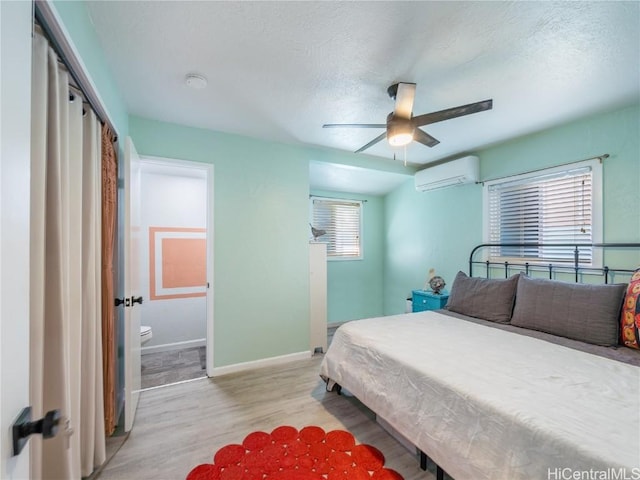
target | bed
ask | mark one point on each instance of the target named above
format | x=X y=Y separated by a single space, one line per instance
x=514 y=398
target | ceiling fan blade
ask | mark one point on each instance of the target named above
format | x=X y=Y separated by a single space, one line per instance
x=354 y=125
x=429 y=118
x=372 y=142
x=424 y=138
x=404 y=100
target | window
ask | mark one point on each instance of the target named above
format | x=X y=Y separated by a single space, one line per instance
x=342 y=221
x=557 y=205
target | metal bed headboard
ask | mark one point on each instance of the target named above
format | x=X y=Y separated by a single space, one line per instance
x=575 y=267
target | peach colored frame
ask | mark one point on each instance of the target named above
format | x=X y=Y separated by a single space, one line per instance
x=153 y=231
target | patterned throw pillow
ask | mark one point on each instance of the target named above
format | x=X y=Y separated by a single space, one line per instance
x=630 y=321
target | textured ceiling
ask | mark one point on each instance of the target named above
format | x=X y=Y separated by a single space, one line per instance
x=346 y=178
x=279 y=70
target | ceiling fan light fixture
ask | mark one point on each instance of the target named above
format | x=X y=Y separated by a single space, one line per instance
x=399 y=135
x=403 y=127
x=401 y=139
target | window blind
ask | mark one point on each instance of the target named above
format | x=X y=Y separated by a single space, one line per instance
x=547 y=208
x=341 y=221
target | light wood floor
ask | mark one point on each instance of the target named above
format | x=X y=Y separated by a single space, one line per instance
x=180 y=426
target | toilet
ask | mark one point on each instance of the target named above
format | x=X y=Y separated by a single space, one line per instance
x=145 y=334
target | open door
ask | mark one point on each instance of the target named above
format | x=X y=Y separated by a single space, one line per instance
x=132 y=294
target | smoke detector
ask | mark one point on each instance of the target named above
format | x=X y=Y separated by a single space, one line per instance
x=195 y=81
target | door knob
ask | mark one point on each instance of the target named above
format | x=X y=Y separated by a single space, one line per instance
x=23 y=427
x=135 y=300
x=118 y=301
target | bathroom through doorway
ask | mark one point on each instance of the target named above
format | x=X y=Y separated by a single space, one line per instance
x=176 y=255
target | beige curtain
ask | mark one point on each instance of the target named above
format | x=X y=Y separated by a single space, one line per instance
x=109 y=211
x=66 y=355
x=92 y=436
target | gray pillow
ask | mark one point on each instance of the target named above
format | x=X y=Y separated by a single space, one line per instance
x=486 y=298
x=589 y=313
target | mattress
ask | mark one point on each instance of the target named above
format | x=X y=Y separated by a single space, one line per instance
x=485 y=403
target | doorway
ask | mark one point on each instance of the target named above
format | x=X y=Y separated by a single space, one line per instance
x=176 y=265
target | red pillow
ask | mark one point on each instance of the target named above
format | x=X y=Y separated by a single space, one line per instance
x=630 y=321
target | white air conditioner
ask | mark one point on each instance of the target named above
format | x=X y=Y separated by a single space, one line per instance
x=456 y=172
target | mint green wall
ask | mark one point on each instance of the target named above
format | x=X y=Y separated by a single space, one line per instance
x=439 y=228
x=76 y=20
x=261 y=252
x=355 y=287
x=426 y=230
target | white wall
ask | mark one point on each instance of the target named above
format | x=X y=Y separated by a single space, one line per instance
x=171 y=197
x=15 y=157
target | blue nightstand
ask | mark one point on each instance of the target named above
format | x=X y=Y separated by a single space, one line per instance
x=427 y=300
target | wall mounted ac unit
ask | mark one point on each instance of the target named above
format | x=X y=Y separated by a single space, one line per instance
x=456 y=172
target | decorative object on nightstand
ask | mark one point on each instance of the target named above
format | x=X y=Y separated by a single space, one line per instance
x=426 y=300
x=435 y=282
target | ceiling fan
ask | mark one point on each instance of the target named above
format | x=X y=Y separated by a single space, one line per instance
x=402 y=126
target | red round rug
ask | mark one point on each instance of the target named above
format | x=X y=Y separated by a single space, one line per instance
x=289 y=454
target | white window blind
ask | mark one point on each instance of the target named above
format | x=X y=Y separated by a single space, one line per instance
x=554 y=207
x=341 y=219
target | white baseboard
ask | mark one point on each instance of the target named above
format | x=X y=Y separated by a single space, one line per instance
x=265 y=362
x=200 y=342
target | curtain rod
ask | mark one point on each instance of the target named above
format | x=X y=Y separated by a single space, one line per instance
x=48 y=21
x=599 y=157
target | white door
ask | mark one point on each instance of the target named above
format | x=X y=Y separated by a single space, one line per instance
x=15 y=111
x=132 y=294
